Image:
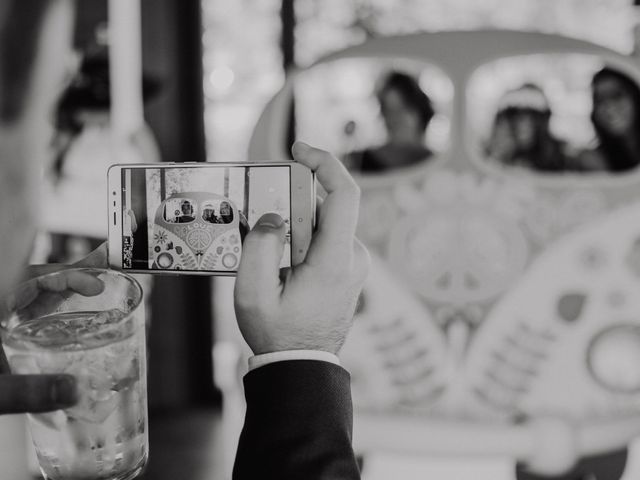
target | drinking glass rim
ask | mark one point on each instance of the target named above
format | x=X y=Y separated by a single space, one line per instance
x=106 y=328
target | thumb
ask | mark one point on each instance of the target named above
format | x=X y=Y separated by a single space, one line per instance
x=259 y=270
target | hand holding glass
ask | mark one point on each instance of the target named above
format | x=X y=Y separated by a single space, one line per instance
x=88 y=323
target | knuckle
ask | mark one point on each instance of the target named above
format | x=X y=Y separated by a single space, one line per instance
x=324 y=155
x=360 y=269
x=363 y=262
x=351 y=188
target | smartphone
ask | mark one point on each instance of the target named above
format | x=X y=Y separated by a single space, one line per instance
x=192 y=217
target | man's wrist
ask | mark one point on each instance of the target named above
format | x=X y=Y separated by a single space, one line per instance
x=260 y=360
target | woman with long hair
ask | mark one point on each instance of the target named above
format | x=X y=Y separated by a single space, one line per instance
x=616 y=121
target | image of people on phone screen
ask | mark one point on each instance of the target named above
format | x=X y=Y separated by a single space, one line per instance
x=196 y=219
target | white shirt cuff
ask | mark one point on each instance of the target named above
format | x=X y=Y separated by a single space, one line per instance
x=263 y=359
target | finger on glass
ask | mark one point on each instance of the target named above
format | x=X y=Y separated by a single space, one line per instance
x=44 y=293
x=98 y=258
x=87 y=324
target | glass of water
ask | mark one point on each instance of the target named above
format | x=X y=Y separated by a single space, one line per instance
x=88 y=323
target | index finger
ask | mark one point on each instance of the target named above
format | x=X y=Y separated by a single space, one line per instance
x=338 y=218
x=83 y=282
x=43 y=294
x=96 y=259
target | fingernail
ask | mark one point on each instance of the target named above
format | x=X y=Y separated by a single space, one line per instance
x=270 y=220
x=63 y=391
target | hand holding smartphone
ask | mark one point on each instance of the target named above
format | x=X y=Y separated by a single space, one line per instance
x=192 y=218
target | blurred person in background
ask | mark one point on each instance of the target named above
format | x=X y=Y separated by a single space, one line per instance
x=83 y=145
x=521 y=137
x=83 y=118
x=616 y=121
x=406 y=111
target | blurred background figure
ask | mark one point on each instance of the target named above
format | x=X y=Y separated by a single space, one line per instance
x=83 y=118
x=616 y=104
x=521 y=136
x=406 y=111
x=83 y=150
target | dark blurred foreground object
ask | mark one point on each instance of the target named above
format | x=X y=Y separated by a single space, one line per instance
x=187 y=444
x=608 y=466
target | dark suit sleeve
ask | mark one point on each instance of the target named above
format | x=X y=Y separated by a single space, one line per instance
x=298 y=423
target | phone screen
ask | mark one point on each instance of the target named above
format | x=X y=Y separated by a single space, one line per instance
x=195 y=218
